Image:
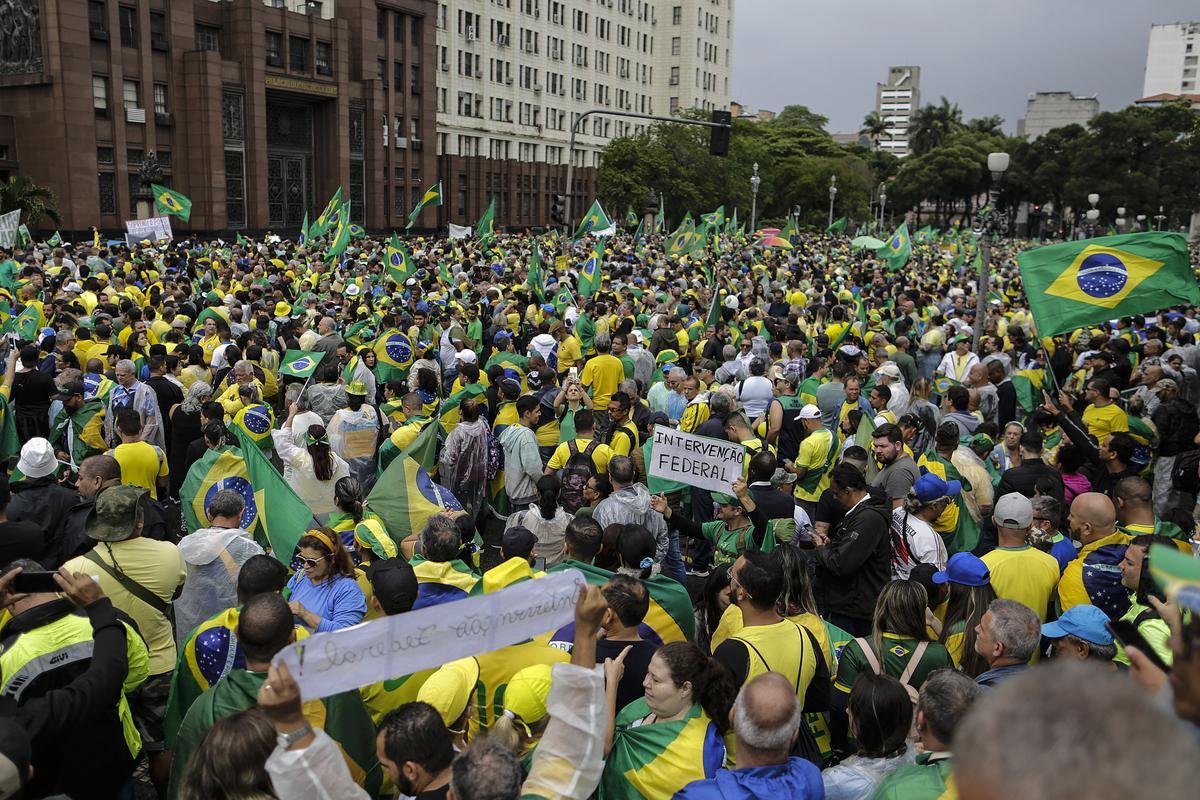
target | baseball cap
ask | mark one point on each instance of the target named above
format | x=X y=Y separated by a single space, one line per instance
x=518 y=542
x=964 y=569
x=450 y=688
x=1084 y=622
x=526 y=693
x=891 y=371
x=501 y=336
x=467 y=356
x=117 y=512
x=1013 y=510
x=393 y=583
x=809 y=411
x=930 y=487
x=722 y=499
x=1166 y=383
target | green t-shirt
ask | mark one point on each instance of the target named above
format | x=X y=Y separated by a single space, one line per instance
x=896 y=653
x=726 y=541
x=923 y=780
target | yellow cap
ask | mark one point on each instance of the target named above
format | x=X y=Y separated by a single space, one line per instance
x=526 y=693
x=450 y=689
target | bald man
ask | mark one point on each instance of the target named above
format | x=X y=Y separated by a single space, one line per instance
x=1094 y=576
x=766 y=720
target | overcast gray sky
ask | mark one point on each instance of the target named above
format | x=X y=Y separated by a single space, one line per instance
x=985 y=55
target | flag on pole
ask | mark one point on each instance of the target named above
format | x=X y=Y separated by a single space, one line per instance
x=897 y=250
x=485 y=229
x=1078 y=284
x=631 y=217
x=169 y=201
x=715 y=218
x=282 y=516
x=593 y=221
x=431 y=199
x=590 y=274
x=55 y=240
x=563 y=300
x=838 y=226
x=304 y=229
x=301 y=363
x=536 y=280
x=341 y=235
x=685 y=239
x=399 y=263
x=323 y=222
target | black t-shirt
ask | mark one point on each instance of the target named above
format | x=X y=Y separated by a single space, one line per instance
x=636 y=664
x=32 y=390
x=20 y=540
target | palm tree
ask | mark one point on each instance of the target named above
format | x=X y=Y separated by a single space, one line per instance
x=20 y=192
x=932 y=126
x=873 y=127
x=988 y=126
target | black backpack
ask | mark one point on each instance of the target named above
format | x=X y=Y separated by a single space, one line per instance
x=578 y=470
x=1185 y=475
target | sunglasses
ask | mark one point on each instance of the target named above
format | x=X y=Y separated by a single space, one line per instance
x=300 y=562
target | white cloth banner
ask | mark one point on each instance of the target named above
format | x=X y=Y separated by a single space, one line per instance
x=459 y=231
x=155 y=229
x=8 y=228
x=340 y=661
x=609 y=231
x=712 y=464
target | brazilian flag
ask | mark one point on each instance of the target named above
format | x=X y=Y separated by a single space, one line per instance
x=27 y=324
x=301 y=363
x=282 y=516
x=449 y=416
x=10 y=443
x=837 y=226
x=399 y=263
x=87 y=431
x=685 y=239
x=535 y=282
x=714 y=219
x=393 y=355
x=223 y=468
x=442 y=581
x=341 y=236
x=485 y=228
x=590 y=274
x=655 y=760
x=593 y=221
x=431 y=198
x=563 y=299
x=956 y=525
x=631 y=217
x=669 y=619
x=96 y=387
x=303 y=230
x=1080 y=284
x=255 y=422
x=323 y=221
x=898 y=248
x=405 y=496
x=169 y=201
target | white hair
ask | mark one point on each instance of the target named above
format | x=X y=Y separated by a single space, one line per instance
x=760 y=737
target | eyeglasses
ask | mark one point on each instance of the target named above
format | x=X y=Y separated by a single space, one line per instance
x=735 y=583
x=300 y=562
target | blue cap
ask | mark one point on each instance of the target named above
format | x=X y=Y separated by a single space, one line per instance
x=47 y=332
x=1083 y=622
x=930 y=487
x=501 y=336
x=964 y=569
x=548 y=308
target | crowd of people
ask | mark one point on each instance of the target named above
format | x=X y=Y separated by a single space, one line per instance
x=953 y=566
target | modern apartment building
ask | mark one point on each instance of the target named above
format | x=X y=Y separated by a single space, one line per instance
x=1172 y=59
x=1045 y=111
x=896 y=101
x=514 y=75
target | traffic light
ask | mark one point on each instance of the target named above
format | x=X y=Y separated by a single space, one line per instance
x=558 y=209
x=718 y=138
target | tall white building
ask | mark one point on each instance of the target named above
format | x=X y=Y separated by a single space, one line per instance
x=513 y=75
x=896 y=101
x=1045 y=111
x=1171 y=59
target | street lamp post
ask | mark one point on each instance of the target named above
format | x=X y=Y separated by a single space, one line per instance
x=989 y=222
x=1158 y=219
x=1093 y=214
x=882 y=202
x=1141 y=222
x=832 y=194
x=1120 y=221
x=754 y=182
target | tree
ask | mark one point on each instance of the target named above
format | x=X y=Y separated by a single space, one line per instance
x=873 y=127
x=988 y=126
x=19 y=191
x=799 y=117
x=932 y=126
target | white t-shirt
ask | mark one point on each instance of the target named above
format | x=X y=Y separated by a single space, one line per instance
x=916 y=543
x=755 y=393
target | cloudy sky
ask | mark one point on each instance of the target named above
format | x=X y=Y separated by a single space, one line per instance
x=985 y=55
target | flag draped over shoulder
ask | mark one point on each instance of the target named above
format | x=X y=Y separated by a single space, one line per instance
x=1077 y=284
x=956 y=525
x=223 y=468
x=300 y=363
x=169 y=201
x=669 y=618
x=431 y=199
x=655 y=760
x=590 y=274
x=393 y=355
x=594 y=221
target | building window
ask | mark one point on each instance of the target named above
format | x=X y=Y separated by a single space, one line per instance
x=96 y=16
x=235 y=189
x=128 y=19
x=381 y=70
x=130 y=95
x=380 y=24
x=674 y=76
x=135 y=156
x=273 y=44
x=233 y=125
x=324 y=58
x=398 y=28
x=208 y=38
x=398 y=76
x=108 y=193
x=677 y=15
x=675 y=46
x=674 y=105
x=297 y=54
x=415 y=79
x=104 y=155
x=160 y=98
x=164 y=158
x=100 y=95
x=158 y=31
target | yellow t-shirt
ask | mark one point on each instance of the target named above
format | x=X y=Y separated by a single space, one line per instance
x=142 y=464
x=1024 y=574
x=159 y=568
x=620 y=444
x=570 y=352
x=600 y=456
x=813 y=453
x=602 y=374
x=1103 y=421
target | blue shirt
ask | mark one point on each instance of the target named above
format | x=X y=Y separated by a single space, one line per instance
x=338 y=602
x=1063 y=550
x=797 y=780
x=991 y=677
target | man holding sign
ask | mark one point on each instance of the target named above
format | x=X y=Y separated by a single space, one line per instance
x=739 y=526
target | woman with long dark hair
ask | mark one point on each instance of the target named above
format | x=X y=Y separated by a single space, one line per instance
x=546 y=519
x=970 y=595
x=312 y=470
x=881 y=714
x=230 y=763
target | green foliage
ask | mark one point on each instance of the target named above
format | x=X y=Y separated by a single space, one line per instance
x=19 y=191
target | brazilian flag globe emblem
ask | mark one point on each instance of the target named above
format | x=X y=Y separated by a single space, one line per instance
x=236 y=483
x=396 y=259
x=897 y=243
x=303 y=364
x=170 y=202
x=258 y=420
x=397 y=350
x=1103 y=276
